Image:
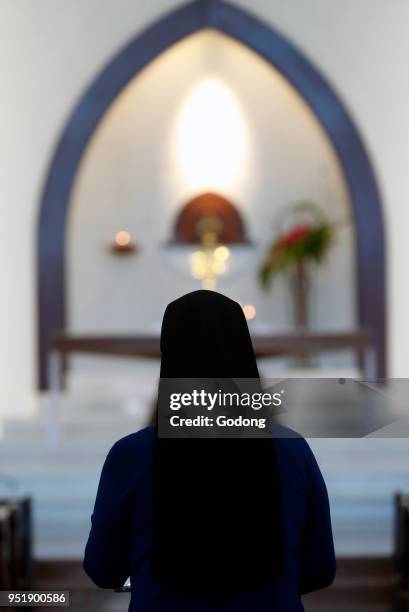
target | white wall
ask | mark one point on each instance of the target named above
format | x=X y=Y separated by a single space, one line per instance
x=137 y=174
x=48 y=53
x=361 y=46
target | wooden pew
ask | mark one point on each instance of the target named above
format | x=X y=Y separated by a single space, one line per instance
x=16 y=562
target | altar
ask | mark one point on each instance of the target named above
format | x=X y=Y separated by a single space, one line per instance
x=148 y=347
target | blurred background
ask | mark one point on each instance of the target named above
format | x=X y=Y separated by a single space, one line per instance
x=153 y=148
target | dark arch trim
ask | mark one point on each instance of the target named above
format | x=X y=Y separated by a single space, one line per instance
x=316 y=91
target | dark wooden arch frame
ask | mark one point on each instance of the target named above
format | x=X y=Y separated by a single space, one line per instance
x=316 y=91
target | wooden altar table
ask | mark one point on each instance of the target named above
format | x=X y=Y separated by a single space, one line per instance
x=280 y=345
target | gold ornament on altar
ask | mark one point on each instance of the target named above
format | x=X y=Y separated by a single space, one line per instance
x=212 y=259
x=209 y=230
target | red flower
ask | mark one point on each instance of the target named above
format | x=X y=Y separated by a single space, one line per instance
x=296 y=234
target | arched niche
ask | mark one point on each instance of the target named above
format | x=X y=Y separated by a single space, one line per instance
x=329 y=110
x=205 y=205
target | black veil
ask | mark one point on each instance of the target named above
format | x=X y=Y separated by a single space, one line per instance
x=217 y=526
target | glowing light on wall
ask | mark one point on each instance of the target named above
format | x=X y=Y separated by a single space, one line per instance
x=123 y=244
x=123 y=238
x=211 y=137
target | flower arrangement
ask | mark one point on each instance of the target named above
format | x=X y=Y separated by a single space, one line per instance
x=306 y=239
x=298 y=245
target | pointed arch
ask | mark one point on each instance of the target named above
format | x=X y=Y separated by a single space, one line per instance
x=298 y=70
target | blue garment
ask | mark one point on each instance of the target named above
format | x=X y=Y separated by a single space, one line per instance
x=120 y=542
